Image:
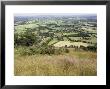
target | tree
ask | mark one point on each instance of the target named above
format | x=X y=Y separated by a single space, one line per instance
x=28 y=38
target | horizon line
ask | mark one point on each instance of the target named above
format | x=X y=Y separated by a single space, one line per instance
x=57 y=14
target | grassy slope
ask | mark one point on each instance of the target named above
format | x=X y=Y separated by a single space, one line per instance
x=73 y=64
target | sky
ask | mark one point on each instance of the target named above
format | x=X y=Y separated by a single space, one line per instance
x=63 y=14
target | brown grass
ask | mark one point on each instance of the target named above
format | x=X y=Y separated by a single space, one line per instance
x=71 y=64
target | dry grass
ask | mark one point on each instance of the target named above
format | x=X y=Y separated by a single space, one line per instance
x=71 y=64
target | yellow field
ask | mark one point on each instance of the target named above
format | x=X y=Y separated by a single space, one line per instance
x=69 y=64
x=69 y=43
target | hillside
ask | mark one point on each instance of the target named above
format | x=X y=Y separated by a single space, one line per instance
x=66 y=43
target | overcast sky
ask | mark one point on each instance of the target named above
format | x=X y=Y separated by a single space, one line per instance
x=35 y=14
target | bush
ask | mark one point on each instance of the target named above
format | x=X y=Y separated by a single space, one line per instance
x=24 y=51
x=92 y=48
x=66 y=50
x=47 y=50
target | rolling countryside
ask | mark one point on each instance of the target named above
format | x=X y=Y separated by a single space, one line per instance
x=55 y=44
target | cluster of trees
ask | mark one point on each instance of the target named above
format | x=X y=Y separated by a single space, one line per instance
x=81 y=47
x=81 y=34
x=27 y=38
x=30 y=44
x=89 y=48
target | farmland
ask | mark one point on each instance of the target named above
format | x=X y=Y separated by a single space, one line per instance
x=55 y=45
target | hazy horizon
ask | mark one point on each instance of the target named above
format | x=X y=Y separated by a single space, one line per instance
x=54 y=14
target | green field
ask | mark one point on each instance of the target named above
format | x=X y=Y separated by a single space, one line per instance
x=22 y=28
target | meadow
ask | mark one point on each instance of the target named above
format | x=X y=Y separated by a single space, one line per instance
x=74 y=63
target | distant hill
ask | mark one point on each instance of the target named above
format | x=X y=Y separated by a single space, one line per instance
x=28 y=17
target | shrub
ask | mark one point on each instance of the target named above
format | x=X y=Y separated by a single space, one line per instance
x=66 y=50
x=92 y=48
x=24 y=51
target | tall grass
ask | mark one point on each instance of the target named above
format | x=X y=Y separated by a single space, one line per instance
x=74 y=63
